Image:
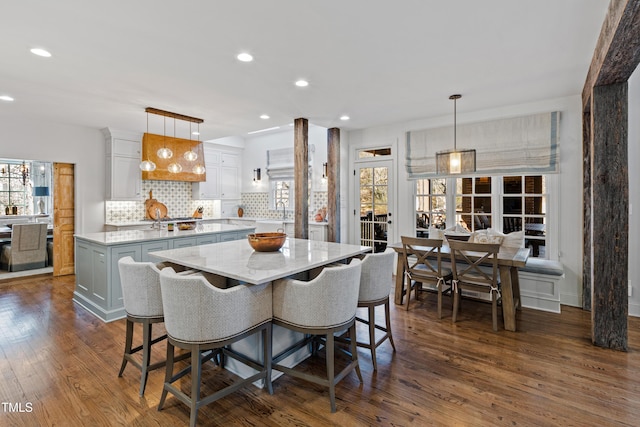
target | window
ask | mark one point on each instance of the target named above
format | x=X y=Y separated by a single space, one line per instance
x=13 y=192
x=473 y=203
x=506 y=203
x=431 y=204
x=374 y=152
x=282 y=192
x=524 y=205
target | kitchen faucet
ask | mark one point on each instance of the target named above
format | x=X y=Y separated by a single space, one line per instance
x=157 y=221
x=284 y=207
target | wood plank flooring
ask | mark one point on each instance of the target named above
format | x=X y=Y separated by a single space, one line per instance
x=62 y=362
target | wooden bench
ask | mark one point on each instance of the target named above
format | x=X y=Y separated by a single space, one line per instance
x=540 y=283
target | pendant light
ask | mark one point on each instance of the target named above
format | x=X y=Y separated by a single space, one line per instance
x=190 y=155
x=147 y=165
x=164 y=152
x=199 y=168
x=454 y=162
x=174 y=167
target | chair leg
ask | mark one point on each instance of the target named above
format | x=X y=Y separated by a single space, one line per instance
x=330 y=349
x=439 y=299
x=494 y=310
x=354 y=350
x=456 y=301
x=196 y=377
x=168 y=374
x=407 y=293
x=127 y=346
x=146 y=354
x=372 y=335
x=388 y=324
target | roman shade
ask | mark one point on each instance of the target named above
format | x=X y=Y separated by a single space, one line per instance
x=280 y=163
x=527 y=144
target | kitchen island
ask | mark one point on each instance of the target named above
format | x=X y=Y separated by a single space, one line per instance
x=233 y=262
x=98 y=286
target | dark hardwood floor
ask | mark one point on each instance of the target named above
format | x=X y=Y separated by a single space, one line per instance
x=59 y=366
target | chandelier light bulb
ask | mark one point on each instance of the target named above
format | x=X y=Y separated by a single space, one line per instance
x=165 y=153
x=147 y=166
x=175 y=168
x=190 y=156
x=199 y=169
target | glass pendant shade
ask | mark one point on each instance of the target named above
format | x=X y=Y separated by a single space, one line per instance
x=454 y=162
x=147 y=166
x=190 y=156
x=165 y=153
x=175 y=168
x=198 y=169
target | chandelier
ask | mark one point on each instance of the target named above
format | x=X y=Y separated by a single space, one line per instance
x=453 y=162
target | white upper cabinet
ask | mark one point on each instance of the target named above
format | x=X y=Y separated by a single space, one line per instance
x=124 y=178
x=223 y=176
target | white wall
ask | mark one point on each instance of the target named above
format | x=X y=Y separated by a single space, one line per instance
x=634 y=192
x=570 y=178
x=84 y=147
x=255 y=156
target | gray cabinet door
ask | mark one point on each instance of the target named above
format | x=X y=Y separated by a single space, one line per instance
x=184 y=242
x=117 y=252
x=159 y=245
x=84 y=269
x=207 y=240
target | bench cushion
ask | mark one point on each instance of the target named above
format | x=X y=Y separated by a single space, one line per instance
x=543 y=266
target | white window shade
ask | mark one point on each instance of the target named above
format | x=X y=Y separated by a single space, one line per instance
x=514 y=145
x=280 y=163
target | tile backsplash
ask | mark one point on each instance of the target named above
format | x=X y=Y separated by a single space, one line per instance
x=176 y=196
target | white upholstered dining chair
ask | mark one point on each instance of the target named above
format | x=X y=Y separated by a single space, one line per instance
x=28 y=248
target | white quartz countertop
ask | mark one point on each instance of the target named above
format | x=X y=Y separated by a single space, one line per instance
x=233 y=218
x=237 y=260
x=132 y=236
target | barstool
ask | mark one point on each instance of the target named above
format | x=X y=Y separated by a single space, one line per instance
x=320 y=307
x=200 y=317
x=143 y=303
x=375 y=285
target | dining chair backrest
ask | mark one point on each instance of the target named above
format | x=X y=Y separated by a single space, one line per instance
x=416 y=252
x=140 y=283
x=377 y=275
x=195 y=311
x=28 y=247
x=469 y=262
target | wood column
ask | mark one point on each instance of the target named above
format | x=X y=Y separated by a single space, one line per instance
x=609 y=215
x=333 y=184
x=301 y=172
x=586 y=211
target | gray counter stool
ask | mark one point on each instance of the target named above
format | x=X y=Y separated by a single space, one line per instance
x=320 y=307
x=200 y=317
x=143 y=303
x=376 y=281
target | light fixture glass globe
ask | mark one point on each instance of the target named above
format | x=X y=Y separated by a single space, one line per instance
x=175 y=168
x=199 y=169
x=190 y=156
x=147 y=166
x=165 y=153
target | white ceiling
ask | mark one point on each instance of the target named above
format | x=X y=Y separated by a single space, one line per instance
x=377 y=61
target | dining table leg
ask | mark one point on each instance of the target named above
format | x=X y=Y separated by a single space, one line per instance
x=508 y=303
x=515 y=285
x=399 y=283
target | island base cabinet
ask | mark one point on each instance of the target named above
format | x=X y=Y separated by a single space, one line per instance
x=98 y=286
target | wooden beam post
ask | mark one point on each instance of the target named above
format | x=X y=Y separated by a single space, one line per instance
x=587 y=206
x=609 y=215
x=333 y=184
x=301 y=173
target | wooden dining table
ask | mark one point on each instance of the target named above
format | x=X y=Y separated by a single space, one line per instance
x=509 y=260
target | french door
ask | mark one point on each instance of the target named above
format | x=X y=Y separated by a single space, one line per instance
x=373 y=212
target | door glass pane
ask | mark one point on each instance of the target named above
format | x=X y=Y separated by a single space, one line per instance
x=374 y=207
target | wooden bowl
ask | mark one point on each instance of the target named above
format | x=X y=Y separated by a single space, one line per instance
x=186 y=225
x=266 y=242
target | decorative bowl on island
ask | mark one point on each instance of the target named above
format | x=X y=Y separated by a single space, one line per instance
x=267 y=242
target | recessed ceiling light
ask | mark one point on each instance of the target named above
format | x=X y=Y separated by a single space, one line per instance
x=264 y=117
x=6 y=98
x=344 y=117
x=41 y=52
x=302 y=83
x=244 y=57
x=195 y=132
